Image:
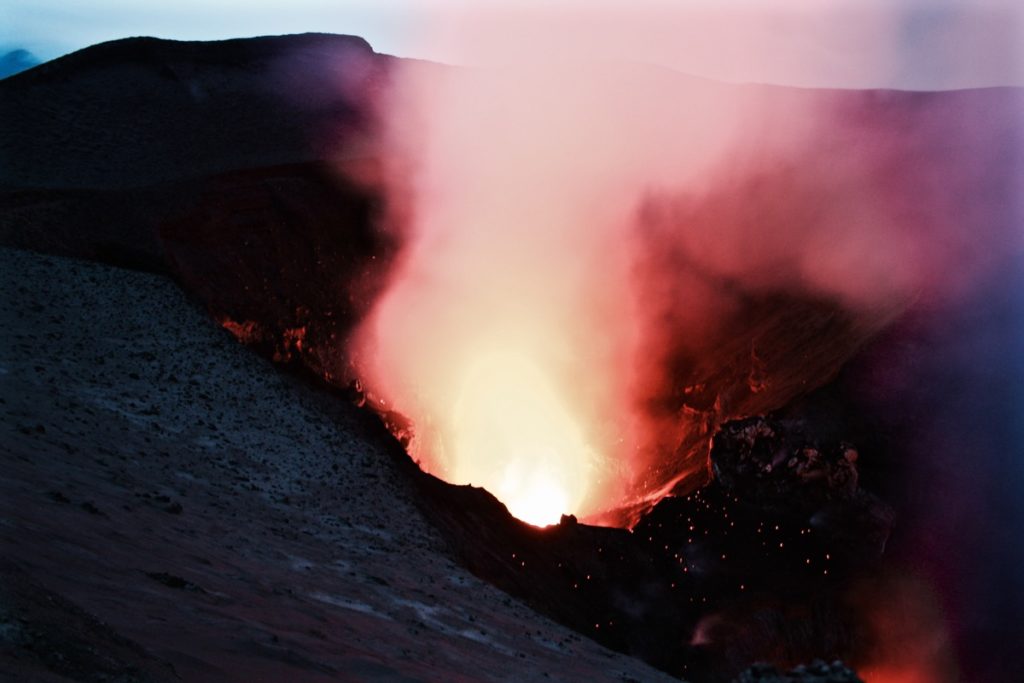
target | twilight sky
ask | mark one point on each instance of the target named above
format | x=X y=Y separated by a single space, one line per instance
x=915 y=44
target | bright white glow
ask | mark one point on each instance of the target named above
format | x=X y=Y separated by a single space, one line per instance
x=515 y=437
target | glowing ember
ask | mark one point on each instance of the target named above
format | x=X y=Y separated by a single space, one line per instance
x=514 y=436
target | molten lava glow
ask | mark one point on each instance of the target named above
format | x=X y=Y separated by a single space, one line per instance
x=911 y=640
x=514 y=436
x=884 y=675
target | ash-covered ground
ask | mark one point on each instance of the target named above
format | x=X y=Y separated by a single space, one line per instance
x=175 y=508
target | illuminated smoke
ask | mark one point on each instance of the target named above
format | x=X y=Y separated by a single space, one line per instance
x=599 y=258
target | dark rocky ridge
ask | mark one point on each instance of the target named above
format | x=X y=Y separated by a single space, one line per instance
x=102 y=147
x=141 y=111
x=245 y=217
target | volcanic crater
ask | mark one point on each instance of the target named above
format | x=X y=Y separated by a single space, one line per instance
x=177 y=507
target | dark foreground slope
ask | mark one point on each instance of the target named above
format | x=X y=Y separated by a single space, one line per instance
x=176 y=509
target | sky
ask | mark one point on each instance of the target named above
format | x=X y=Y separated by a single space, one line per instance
x=911 y=44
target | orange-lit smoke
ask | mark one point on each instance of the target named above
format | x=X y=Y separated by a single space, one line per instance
x=509 y=332
x=559 y=213
x=907 y=634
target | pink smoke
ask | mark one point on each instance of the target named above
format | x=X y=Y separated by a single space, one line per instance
x=632 y=243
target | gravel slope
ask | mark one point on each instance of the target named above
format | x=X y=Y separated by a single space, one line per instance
x=173 y=506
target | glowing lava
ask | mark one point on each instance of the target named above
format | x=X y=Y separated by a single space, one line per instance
x=514 y=436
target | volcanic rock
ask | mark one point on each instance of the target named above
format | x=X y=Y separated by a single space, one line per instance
x=817 y=672
x=774 y=466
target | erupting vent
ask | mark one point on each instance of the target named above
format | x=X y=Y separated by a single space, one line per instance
x=514 y=435
x=592 y=278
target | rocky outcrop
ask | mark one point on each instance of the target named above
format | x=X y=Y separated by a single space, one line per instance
x=704 y=584
x=817 y=672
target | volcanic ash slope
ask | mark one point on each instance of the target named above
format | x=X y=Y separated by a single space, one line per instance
x=172 y=506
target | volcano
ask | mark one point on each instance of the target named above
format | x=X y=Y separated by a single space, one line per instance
x=712 y=439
